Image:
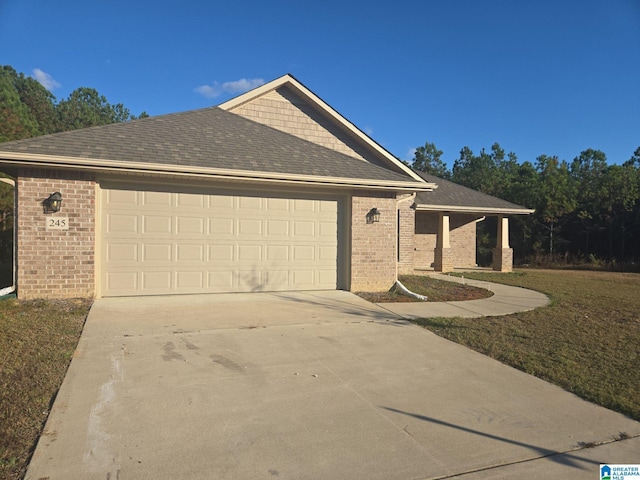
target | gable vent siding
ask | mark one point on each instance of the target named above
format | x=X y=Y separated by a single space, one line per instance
x=287 y=113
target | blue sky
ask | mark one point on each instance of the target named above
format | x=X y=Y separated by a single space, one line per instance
x=548 y=77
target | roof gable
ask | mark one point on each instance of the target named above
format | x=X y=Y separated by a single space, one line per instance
x=450 y=196
x=287 y=105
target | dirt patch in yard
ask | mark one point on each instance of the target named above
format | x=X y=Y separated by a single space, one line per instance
x=435 y=291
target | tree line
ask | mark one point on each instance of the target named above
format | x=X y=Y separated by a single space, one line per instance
x=27 y=109
x=586 y=210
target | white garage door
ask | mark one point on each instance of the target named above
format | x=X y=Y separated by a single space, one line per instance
x=156 y=242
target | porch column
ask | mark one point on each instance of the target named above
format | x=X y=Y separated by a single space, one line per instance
x=502 y=254
x=443 y=258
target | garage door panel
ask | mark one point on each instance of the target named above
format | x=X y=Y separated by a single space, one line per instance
x=276 y=278
x=156 y=224
x=156 y=281
x=122 y=197
x=121 y=223
x=221 y=227
x=304 y=206
x=304 y=253
x=170 y=242
x=249 y=204
x=249 y=253
x=278 y=204
x=304 y=228
x=328 y=230
x=225 y=203
x=186 y=200
x=122 y=252
x=303 y=278
x=277 y=228
x=222 y=281
x=159 y=253
x=190 y=253
x=156 y=199
x=278 y=253
x=221 y=253
x=327 y=277
x=121 y=282
x=328 y=208
x=327 y=254
x=186 y=226
x=250 y=280
x=249 y=226
x=191 y=281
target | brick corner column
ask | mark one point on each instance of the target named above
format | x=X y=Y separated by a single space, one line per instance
x=443 y=256
x=503 y=254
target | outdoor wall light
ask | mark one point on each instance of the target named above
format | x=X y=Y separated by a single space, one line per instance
x=53 y=203
x=373 y=216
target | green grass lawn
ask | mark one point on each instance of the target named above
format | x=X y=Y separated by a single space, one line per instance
x=37 y=340
x=587 y=340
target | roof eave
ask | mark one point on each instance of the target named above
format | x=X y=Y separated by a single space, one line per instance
x=113 y=166
x=478 y=210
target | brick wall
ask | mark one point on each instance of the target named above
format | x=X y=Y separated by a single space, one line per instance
x=406 y=229
x=373 y=246
x=55 y=263
x=462 y=239
x=426 y=232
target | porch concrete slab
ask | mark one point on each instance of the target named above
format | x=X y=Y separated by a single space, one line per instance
x=300 y=386
x=506 y=300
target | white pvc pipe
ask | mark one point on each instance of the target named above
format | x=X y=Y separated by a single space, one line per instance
x=408 y=292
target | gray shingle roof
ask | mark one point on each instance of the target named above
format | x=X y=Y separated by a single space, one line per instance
x=449 y=194
x=207 y=138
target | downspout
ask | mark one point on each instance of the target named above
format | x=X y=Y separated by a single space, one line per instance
x=398 y=202
x=410 y=197
x=399 y=286
x=12 y=288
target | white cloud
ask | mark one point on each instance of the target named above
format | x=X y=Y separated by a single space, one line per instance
x=46 y=80
x=410 y=153
x=238 y=86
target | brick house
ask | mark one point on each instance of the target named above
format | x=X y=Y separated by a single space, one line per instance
x=270 y=191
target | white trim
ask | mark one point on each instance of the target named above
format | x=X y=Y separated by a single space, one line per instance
x=290 y=81
x=38 y=160
x=483 y=210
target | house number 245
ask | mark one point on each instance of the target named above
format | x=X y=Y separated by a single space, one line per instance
x=57 y=223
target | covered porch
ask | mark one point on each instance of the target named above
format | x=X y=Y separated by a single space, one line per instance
x=446 y=260
x=445 y=221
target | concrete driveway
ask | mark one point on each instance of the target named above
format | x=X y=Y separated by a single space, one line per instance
x=305 y=386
